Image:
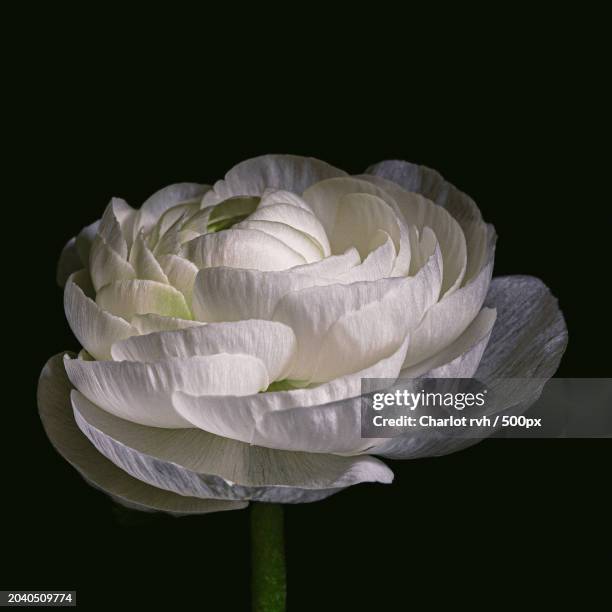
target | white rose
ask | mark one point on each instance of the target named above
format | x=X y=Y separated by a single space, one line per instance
x=226 y=330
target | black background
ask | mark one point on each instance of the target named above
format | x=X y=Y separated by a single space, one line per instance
x=519 y=128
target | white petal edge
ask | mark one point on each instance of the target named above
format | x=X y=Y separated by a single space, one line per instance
x=93 y=327
x=322 y=419
x=134 y=297
x=241 y=248
x=232 y=294
x=198 y=464
x=141 y=392
x=271 y=342
x=56 y=415
x=527 y=342
x=287 y=172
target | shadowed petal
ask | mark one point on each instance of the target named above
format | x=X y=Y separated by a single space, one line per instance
x=57 y=418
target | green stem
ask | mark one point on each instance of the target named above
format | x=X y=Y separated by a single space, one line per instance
x=268 y=579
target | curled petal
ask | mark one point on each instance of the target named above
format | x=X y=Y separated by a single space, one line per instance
x=241 y=248
x=253 y=176
x=446 y=320
x=141 y=392
x=295 y=217
x=181 y=274
x=312 y=311
x=199 y=464
x=294 y=239
x=527 y=341
x=461 y=358
x=94 y=328
x=68 y=263
x=233 y=294
x=56 y=414
x=131 y=297
x=149 y=323
x=144 y=262
x=358 y=218
x=480 y=238
x=321 y=419
x=273 y=343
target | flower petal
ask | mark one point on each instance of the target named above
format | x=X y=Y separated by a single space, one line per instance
x=280 y=196
x=324 y=197
x=110 y=230
x=358 y=217
x=199 y=464
x=530 y=336
x=57 y=418
x=130 y=297
x=273 y=343
x=168 y=197
x=241 y=248
x=141 y=392
x=527 y=342
x=144 y=263
x=446 y=320
x=311 y=312
x=378 y=264
x=84 y=240
x=68 y=263
x=94 y=328
x=181 y=274
x=364 y=336
x=298 y=218
x=107 y=266
x=322 y=419
x=149 y=323
x=479 y=237
x=294 y=239
x=233 y=294
x=253 y=176
x=421 y=212
x=461 y=358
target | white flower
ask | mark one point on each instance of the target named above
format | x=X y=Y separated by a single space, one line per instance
x=225 y=330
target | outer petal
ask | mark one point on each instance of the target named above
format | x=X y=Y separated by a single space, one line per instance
x=141 y=392
x=68 y=263
x=195 y=463
x=58 y=421
x=273 y=343
x=322 y=419
x=253 y=176
x=527 y=341
x=94 y=328
x=421 y=212
x=420 y=179
x=530 y=336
